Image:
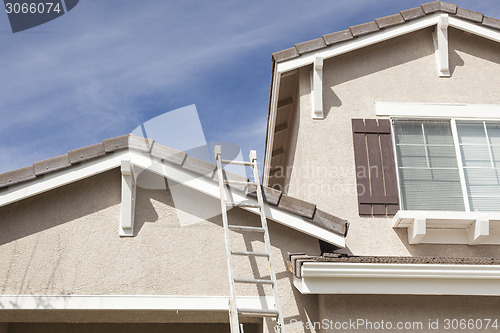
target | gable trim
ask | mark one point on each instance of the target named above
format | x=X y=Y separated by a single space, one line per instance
x=359 y=42
x=176 y=173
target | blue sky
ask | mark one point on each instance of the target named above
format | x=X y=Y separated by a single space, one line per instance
x=107 y=66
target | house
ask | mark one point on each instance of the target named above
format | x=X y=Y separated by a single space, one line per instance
x=392 y=125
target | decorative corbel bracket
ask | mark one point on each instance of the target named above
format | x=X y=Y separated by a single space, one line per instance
x=478 y=231
x=417 y=230
x=317 y=89
x=126 y=228
x=440 y=38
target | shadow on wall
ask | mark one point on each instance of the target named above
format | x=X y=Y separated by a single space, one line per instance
x=61 y=205
x=470 y=44
x=125 y=328
x=446 y=250
x=373 y=59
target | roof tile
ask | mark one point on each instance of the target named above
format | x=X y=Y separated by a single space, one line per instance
x=413 y=13
x=363 y=29
x=330 y=222
x=435 y=6
x=86 y=153
x=168 y=154
x=337 y=37
x=17 y=176
x=271 y=195
x=389 y=21
x=116 y=143
x=285 y=54
x=139 y=143
x=297 y=206
x=469 y=15
x=310 y=45
x=491 y=22
x=52 y=164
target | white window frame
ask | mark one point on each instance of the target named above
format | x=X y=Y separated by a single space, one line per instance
x=458 y=154
x=443 y=227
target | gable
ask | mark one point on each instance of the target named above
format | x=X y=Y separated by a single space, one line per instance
x=132 y=154
x=444 y=24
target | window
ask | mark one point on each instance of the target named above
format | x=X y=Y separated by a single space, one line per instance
x=448 y=165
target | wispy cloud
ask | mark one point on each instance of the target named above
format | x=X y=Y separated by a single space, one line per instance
x=107 y=66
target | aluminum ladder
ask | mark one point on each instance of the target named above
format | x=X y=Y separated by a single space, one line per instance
x=234 y=310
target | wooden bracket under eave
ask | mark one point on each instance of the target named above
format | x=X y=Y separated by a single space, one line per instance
x=127 y=211
x=317 y=89
x=440 y=39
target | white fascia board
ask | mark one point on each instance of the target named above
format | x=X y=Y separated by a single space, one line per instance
x=131 y=302
x=402 y=279
x=270 y=128
x=359 y=42
x=437 y=110
x=211 y=188
x=474 y=29
x=61 y=178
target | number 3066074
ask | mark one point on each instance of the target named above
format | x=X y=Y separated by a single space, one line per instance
x=32 y=8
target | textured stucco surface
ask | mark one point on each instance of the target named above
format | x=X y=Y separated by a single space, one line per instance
x=66 y=242
x=404 y=308
x=399 y=70
x=125 y=328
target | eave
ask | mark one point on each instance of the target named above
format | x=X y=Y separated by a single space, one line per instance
x=398 y=279
x=132 y=154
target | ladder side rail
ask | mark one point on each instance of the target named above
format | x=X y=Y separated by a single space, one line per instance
x=263 y=218
x=233 y=314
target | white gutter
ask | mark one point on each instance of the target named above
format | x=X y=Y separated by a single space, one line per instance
x=398 y=279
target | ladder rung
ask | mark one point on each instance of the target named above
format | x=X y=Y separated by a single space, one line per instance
x=245 y=228
x=236 y=182
x=237 y=162
x=255 y=281
x=255 y=254
x=258 y=312
x=243 y=204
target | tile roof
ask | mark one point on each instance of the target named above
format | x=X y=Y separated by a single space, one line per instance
x=385 y=22
x=306 y=210
x=295 y=261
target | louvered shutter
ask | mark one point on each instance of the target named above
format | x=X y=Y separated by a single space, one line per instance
x=375 y=167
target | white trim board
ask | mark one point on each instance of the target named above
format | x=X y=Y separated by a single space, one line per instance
x=131 y=302
x=177 y=174
x=398 y=279
x=386 y=34
x=441 y=227
x=438 y=110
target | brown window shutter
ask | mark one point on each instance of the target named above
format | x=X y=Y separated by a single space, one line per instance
x=375 y=167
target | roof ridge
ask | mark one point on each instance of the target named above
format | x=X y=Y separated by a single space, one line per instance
x=381 y=23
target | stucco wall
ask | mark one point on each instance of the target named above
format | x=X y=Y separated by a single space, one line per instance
x=399 y=70
x=125 y=328
x=405 y=309
x=66 y=242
